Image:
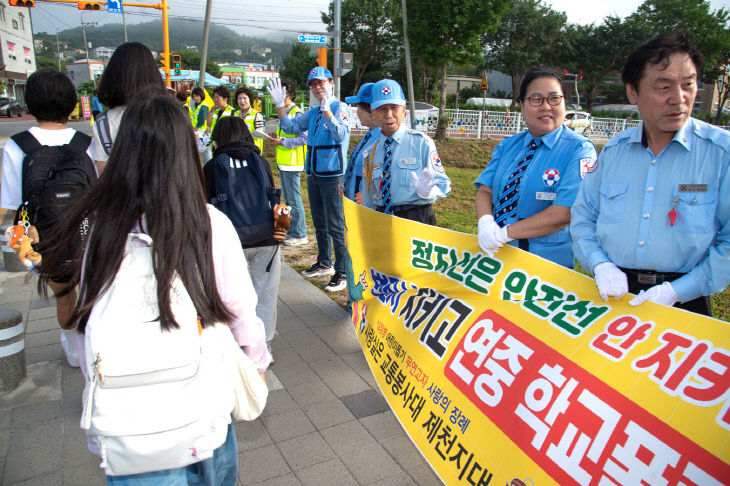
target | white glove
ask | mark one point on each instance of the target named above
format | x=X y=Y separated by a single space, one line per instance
x=202 y=140
x=661 y=294
x=491 y=236
x=610 y=280
x=324 y=105
x=278 y=94
x=425 y=186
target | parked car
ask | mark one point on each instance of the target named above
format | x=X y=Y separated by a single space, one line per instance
x=10 y=107
x=578 y=121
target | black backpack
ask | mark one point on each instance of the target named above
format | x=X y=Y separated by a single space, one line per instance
x=245 y=194
x=53 y=177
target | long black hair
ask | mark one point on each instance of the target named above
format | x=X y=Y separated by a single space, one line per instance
x=153 y=180
x=131 y=70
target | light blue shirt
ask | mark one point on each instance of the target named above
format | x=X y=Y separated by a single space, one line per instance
x=328 y=138
x=353 y=176
x=553 y=176
x=412 y=152
x=622 y=211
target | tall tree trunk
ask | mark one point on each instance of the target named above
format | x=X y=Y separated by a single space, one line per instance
x=516 y=78
x=443 y=120
x=591 y=95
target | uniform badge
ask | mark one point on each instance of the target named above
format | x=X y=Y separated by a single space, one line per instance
x=551 y=177
x=385 y=90
x=313 y=72
x=587 y=165
x=343 y=116
x=436 y=162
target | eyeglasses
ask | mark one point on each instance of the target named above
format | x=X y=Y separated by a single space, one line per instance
x=553 y=100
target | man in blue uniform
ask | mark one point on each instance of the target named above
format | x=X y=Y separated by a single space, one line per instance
x=402 y=172
x=654 y=215
x=328 y=127
x=353 y=175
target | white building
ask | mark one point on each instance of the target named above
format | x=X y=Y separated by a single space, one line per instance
x=103 y=52
x=258 y=78
x=78 y=71
x=17 y=53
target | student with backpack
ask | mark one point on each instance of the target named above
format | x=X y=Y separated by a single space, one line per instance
x=160 y=267
x=239 y=182
x=45 y=169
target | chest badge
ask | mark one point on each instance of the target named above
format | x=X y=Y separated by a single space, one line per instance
x=551 y=177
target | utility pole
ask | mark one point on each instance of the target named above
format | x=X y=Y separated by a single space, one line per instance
x=58 y=50
x=124 y=24
x=86 y=50
x=409 y=71
x=338 y=46
x=204 y=52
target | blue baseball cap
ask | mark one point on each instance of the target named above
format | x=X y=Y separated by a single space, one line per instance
x=319 y=73
x=387 y=92
x=364 y=94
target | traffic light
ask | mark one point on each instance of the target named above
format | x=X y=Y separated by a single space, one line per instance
x=176 y=64
x=22 y=3
x=165 y=60
x=322 y=57
x=89 y=5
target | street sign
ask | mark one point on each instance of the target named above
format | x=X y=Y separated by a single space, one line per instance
x=345 y=63
x=114 y=6
x=311 y=38
x=485 y=86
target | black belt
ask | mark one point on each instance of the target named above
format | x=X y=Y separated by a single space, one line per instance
x=401 y=208
x=650 y=277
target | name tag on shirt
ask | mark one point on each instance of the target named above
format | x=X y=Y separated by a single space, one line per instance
x=407 y=163
x=693 y=188
x=546 y=196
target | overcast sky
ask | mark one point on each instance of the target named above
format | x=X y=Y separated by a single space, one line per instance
x=262 y=17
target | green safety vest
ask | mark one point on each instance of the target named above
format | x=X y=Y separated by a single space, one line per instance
x=249 y=120
x=194 y=117
x=286 y=156
x=220 y=113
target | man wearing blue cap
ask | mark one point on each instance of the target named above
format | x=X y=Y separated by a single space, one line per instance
x=353 y=175
x=328 y=127
x=403 y=173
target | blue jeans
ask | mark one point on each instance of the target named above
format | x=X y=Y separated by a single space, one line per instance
x=290 y=189
x=325 y=203
x=219 y=470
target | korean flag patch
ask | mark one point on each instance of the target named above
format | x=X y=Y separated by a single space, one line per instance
x=436 y=162
x=551 y=177
x=587 y=165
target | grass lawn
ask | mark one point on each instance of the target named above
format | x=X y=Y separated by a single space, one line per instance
x=464 y=160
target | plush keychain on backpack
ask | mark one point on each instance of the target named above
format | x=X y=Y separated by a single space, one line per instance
x=21 y=239
x=282 y=221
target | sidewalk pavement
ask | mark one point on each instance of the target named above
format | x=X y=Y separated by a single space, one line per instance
x=325 y=422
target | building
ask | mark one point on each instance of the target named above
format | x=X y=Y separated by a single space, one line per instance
x=83 y=70
x=104 y=52
x=258 y=79
x=261 y=51
x=17 y=53
x=233 y=74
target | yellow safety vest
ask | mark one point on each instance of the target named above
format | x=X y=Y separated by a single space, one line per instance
x=287 y=157
x=219 y=113
x=249 y=120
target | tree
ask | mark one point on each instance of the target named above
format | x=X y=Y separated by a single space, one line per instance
x=298 y=63
x=191 y=60
x=448 y=31
x=48 y=63
x=525 y=37
x=368 y=31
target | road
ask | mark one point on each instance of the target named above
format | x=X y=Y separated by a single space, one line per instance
x=11 y=126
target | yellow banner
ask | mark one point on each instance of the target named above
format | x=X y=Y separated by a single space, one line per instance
x=511 y=370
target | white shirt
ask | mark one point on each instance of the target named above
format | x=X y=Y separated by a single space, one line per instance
x=11 y=191
x=115 y=118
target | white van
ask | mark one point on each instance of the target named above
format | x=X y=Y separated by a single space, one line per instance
x=579 y=122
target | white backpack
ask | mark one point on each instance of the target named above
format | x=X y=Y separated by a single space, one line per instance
x=153 y=399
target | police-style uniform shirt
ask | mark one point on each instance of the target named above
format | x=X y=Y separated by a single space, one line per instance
x=328 y=138
x=412 y=152
x=353 y=174
x=553 y=176
x=622 y=213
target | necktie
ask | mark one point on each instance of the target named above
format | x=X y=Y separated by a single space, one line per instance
x=353 y=158
x=385 y=182
x=507 y=205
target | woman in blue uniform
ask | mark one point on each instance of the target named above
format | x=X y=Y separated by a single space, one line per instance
x=525 y=193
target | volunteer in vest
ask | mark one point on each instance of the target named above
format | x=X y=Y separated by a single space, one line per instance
x=211 y=266
x=221 y=95
x=290 y=154
x=525 y=193
x=199 y=109
x=402 y=172
x=51 y=97
x=329 y=136
x=653 y=218
x=253 y=118
x=352 y=185
x=131 y=70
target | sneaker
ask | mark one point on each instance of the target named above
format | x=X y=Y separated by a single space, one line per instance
x=295 y=241
x=337 y=282
x=318 y=269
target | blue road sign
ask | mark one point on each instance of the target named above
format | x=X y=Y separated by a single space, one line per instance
x=114 y=6
x=311 y=38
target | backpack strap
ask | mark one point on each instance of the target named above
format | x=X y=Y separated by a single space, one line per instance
x=105 y=133
x=26 y=141
x=80 y=141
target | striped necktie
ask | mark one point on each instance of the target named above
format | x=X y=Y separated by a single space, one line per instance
x=353 y=158
x=507 y=205
x=385 y=182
